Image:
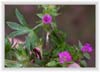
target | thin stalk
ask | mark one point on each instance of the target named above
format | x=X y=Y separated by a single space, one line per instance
x=39 y=25
x=47 y=39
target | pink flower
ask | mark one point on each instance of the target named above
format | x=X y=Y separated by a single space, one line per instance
x=74 y=65
x=47 y=19
x=64 y=57
x=87 y=48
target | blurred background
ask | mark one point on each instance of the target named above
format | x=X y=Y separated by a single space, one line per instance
x=78 y=21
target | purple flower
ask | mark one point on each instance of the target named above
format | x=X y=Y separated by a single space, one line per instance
x=47 y=19
x=64 y=57
x=86 y=48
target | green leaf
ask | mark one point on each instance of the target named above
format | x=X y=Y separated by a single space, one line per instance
x=33 y=38
x=31 y=41
x=15 y=26
x=7 y=45
x=83 y=63
x=38 y=61
x=53 y=25
x=86 y=55
x=40 y=15
x=20 y=18
x=54 y=14
x=17 y=33
x=22 y=55
x=9 y=51
x=57 y=36
x=33 y=65
x=80 y=44
x=10 y=63
x=52 y=63
x=10 y=54
x=45 y=7
x=27 y=44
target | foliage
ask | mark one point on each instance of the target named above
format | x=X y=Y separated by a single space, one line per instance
x=35 y=52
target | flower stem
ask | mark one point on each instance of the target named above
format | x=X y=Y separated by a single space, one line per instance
x=39 y=25
x=47 y=39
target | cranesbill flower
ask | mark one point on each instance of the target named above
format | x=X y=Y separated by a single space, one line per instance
x=47 y=19
x=64 y=57
x=87 y=48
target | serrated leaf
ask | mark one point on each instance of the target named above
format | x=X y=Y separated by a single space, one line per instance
x=15 y=26
x=17 y=33
x=20 y=17
x=52 y=63
x=86 y=55
x=40 y=15
x=83 y=63
x=80 y=44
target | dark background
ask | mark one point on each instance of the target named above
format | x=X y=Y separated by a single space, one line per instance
x=78 y=21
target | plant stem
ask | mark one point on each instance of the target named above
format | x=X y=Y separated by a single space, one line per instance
x=39 y=25
x=47 y=39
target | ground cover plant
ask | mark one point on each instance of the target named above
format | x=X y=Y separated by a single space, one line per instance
x=48 y=50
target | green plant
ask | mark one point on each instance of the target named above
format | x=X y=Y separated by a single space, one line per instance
x=32 y=53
